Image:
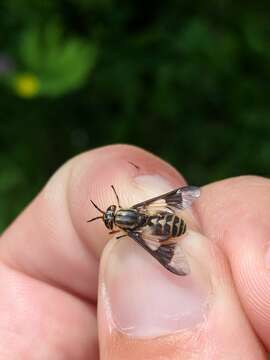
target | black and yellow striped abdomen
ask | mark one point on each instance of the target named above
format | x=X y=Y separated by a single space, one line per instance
x=167 y=224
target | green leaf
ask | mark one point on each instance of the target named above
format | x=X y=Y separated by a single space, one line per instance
x=61 y=63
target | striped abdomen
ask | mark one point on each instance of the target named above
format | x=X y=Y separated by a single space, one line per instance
x=169 y=225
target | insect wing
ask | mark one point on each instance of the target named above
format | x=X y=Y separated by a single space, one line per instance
x=169 y=254
x=183 y=197
x=180 y=198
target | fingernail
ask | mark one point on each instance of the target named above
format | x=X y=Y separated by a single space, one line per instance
x=153 y=183
x=143 y=299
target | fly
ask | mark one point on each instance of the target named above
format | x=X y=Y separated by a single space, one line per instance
x=154 y=225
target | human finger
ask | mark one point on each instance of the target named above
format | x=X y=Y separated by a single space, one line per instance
x=234 y=213
x=147 y=312
x=49 y=257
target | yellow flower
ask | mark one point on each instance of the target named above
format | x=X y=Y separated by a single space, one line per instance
x=26 y=85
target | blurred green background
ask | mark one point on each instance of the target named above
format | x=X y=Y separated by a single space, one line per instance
x=188 y=80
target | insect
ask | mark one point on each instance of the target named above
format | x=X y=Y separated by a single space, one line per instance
x=154 y=225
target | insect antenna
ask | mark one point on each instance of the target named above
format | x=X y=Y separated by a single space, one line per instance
x=95 y=218
x=116 y=195
x=97 y=207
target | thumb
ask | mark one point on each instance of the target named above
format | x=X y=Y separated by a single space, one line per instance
x=145 y=312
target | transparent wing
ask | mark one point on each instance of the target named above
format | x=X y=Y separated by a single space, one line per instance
x=168 y=252
x=180 y=198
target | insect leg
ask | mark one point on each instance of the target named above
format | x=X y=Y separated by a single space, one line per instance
x=114 y=232
x=117 y=198
x=120 y=236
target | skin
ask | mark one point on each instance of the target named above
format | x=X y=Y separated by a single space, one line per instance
x=51 y=273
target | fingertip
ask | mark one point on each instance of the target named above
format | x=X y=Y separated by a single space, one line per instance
x=91 y=180
x=62 y=248
x=146 y=312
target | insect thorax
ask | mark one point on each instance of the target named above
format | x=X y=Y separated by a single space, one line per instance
x=129 y=219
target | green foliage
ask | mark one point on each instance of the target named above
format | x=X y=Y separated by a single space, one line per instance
x=186 y=80
x=61 y=65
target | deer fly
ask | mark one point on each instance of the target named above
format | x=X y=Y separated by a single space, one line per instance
x=154 y=225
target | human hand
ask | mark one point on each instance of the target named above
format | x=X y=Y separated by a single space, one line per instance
x=49 y=266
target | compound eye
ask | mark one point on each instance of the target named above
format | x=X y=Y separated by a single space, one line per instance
x=108 y=224
x=112 y=208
